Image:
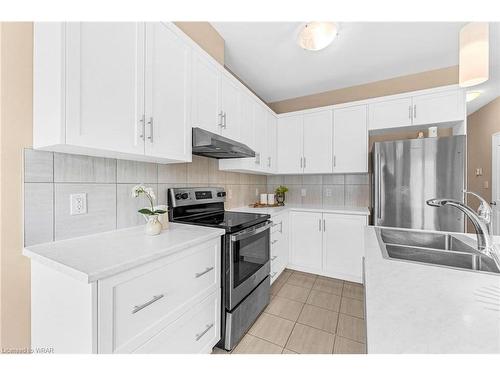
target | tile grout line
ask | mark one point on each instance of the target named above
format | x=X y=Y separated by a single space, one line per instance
x=338 y=318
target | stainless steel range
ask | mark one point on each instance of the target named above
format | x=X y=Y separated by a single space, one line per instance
x=245 y=255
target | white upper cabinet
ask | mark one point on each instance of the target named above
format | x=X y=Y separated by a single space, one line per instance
x=446 y=106
x=290 y=144
x=230 y=107
x=390 y=114
x=418 y=109
x=350 y=140
x=112 y=89
x=206 y=96
x=167 y=118
x=260 y=134
x=271 y=142
x=317 y=155
x=105 y=85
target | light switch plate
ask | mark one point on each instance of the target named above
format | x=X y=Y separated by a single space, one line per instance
x=78 y=204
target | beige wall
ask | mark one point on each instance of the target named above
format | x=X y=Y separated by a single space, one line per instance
x=206 y=36
x=481 y=125
x=16 y=49
x=413 y=82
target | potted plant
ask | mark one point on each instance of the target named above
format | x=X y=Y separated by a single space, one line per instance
x=280 y=194
x=153 y=225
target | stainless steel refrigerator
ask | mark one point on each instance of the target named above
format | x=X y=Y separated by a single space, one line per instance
x=408 y=172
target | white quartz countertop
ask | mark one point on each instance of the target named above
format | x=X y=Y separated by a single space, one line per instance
x=305 y=207
x=98 y=256
x=415 y=308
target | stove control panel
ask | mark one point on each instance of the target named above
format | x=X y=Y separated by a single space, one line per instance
x=190 y=196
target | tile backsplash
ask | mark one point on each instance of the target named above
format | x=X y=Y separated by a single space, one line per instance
x=329 y=189
x=50 y=178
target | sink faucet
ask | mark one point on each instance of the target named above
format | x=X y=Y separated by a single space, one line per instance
x=480 y=220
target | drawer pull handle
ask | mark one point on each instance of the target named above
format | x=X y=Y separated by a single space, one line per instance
x=273 y=242
x=274 y=257
x=199 y=274
x=146 y=304
x=273 y=274
x=200 y=335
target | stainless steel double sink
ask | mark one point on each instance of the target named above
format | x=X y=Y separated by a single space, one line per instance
x=441 y=249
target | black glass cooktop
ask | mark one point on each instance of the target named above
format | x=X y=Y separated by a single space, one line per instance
x=228 y=220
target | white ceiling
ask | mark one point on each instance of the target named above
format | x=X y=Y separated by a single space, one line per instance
x=265 y=55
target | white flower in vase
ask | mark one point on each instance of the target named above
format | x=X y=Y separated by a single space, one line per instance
x=153 y=225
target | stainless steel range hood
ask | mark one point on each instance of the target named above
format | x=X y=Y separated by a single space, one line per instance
x=215 y=146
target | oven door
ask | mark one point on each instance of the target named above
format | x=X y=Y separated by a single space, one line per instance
x=248 y=262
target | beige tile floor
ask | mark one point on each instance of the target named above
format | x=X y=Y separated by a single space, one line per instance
x=308 y=314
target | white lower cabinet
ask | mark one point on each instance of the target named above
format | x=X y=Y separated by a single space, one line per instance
x=328 y=244
x=279 y=245
x=306 y=240
x=170 y=305
x=343 y=246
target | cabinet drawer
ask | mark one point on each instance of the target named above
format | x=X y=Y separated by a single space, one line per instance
x=145 y=300
x=197 y=331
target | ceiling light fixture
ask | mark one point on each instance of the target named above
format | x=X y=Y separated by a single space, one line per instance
x=471 y=95
x=474 y=54
x=317 y=35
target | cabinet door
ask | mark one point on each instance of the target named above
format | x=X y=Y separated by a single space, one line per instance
x=306 y=240
x=290 y=146
x=168 y=89
x=105 y=85
x=205 y=94
x=230 y=107
x=439 y=107
x=247 y=133
x=343 y=246
x=318 y=149
x=350 y=140
x=260 y=134
x=271 y=142
x=390 y=114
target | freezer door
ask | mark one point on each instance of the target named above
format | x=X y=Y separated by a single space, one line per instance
x=409 y=172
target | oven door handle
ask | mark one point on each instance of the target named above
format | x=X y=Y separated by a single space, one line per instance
x=250 y=233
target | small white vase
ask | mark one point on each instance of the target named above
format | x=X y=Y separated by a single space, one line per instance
x=153 y=226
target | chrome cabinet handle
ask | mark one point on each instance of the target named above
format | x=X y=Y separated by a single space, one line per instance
x=319 y=225
x=199 y=274
x=201 y=334
x=324 y=226
x=414 y=111
x=141 y=121
x=223 y=124
x=146 y=304
x=269 y=161
x=305 y=159
x=150 y=123
x=274 y=257
x=219 y=116
x=301 y=162
x=409 y=112
x=334 y=160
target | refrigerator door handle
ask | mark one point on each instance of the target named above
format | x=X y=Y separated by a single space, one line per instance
x=379 y=185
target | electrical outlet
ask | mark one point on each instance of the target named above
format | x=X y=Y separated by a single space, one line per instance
x=479 y=171
x=486 y=184
x=328 y=192
x=78 y=204
x=303 y=192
